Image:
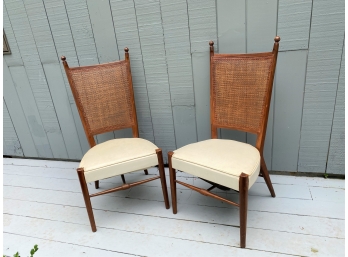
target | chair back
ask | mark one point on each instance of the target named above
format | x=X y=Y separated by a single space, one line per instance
x=104 y=96
x=240 y=91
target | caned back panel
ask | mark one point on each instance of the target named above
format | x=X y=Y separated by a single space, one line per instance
x=103 y=96
x=240 y=85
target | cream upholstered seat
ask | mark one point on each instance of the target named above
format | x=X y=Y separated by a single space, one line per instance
x=118 y=156
x=218 y=160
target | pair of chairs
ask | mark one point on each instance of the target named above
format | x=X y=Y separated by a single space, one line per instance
x=240 y=93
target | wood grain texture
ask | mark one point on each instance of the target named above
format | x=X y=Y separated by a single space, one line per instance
x=11 y=144
x=289 y=90
x=231 y=39
x=126 y=30
x=202 y=25
x=153 y=51
x=294 y=19
x=336 y=161
x=34 y=71
x=64 y=44
x=17 y=114
x=324 y=59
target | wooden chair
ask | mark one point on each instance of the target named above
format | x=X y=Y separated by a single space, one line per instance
x=105 y=101
x=240 y=94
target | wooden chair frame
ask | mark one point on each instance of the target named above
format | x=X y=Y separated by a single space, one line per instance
x=261 y=134
x=92 y=143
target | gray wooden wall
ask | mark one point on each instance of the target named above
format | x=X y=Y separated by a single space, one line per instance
x=168 y=41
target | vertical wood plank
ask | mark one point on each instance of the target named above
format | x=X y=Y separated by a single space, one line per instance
x=11 y=144
x=64 y=44
x=36 y=76
x=126 y=29
x=336 y=161
x=261 y=17
x=231 y=39
x=261 y=25
x=32 y=115
x=17 y=115
x=202 y=25
x=294 y=18
x=324 y=59
x=288 y=89
x=152 y=45
x=13 y=59
x=179 y=64
x=48 y=55
x=185 y=125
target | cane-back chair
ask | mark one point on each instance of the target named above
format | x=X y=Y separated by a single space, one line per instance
x=105 y=101
x=240 y=93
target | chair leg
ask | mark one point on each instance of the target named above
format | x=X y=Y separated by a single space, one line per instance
x=266 y=176
x=243 y=206
x=96 y=183
x=85 y=193
x=172 y=182
x=123 y=179
x=146 y=172
x=163 y=177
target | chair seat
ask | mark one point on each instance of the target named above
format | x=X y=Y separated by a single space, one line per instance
x=220 y=161
x=118 y=156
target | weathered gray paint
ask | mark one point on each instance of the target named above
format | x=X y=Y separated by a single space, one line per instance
x=294 y=19
x=335 y=161
x=11 y=144
x=288 y=89
x=324 y=59
x=169 y=53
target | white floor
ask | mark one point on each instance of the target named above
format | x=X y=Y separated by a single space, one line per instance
x=43 y=205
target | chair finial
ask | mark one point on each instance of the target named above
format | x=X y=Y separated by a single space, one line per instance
x=277 y=39
x=126 y=49
x=211 y=42
x=63 y=58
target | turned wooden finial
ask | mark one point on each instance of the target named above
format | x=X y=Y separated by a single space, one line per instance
x=211 y=43
x=277 y=39
x=126 y=49
x=63 y=58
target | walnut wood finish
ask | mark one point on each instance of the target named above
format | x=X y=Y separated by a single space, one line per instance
x=243 y=206
x=173 y=181
x=91 y=89
x=84 y=188
x=249 y=96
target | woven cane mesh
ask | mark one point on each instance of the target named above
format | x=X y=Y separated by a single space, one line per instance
x=104 y=96
x=240 y=86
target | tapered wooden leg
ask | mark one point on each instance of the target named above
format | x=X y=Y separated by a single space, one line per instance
x=243 y=206
x=96 y=183
x=163 y=177
x=123 y=179
x=266 y=176
x=172 y=182
x=84 y=188
x=146 y=172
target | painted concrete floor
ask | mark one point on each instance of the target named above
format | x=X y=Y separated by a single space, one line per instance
x=43 y=205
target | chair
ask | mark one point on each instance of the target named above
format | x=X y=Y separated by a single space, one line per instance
x=105 y=102
x=240 y=93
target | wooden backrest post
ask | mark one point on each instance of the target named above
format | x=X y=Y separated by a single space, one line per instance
x=212 y=126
